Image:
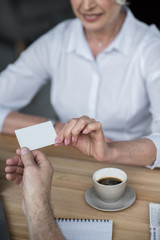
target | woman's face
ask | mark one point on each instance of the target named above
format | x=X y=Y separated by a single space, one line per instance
x=96 y=15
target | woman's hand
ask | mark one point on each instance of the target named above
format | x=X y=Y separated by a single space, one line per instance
x=58 y=127
x=86 y=135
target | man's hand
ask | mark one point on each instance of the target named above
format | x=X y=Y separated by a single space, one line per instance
x=33 y=172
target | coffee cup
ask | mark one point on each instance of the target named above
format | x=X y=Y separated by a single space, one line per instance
x=109 y=183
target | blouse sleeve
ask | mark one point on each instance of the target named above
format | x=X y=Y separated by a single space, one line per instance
x=151 y=72
x=20 y=81
x=156 y=140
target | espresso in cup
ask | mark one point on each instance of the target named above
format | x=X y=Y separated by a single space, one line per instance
x=109 y=183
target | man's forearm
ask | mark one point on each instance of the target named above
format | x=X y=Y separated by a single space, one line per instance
x=16 y=120
x=136 y=152
x=41 y=222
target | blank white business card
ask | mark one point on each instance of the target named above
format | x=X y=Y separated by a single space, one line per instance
x=36 y=136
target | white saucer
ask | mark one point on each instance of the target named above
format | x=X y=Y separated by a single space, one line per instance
x=125 y=201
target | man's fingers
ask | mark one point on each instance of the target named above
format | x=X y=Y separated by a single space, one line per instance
x=14 y=169
x=42 y=162
x=34 y=158
x=27 y=157
x=18 y=151
x=14 y=161
x=14 y=178
x=40 y=158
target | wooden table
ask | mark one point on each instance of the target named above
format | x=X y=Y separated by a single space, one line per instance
x=72 y=177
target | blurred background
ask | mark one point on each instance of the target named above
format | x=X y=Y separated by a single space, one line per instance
x=23 y=21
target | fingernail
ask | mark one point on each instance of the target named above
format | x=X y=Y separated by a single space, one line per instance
x=24 y=150
x=65 y=142
x=57 y=140
x=85 y=130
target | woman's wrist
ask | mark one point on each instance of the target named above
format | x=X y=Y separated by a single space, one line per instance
x=111 y=153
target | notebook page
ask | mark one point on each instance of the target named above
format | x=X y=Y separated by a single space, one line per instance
x=76 y=229
x=154 y=214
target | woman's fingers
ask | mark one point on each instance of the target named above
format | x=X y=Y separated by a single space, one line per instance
x=64 y=137
x=68 y=135
x=70 y=132
x=81 y=125
x=93 y=126
x=107 y=140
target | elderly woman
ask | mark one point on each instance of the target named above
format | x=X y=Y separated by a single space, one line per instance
x=104 y=64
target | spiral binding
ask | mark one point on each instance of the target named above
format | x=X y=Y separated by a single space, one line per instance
x=80 y=220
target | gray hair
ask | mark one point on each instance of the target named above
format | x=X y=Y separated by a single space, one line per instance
x=121 y=2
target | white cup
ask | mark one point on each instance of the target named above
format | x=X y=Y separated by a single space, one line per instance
x=109 y=193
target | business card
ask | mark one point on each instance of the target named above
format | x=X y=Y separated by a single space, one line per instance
x=36 y=136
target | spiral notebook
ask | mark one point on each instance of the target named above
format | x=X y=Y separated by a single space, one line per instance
x=79 y=229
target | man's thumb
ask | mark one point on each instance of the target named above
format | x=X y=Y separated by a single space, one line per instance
x=27 y=157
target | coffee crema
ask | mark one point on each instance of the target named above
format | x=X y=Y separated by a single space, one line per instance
x=109 y=181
